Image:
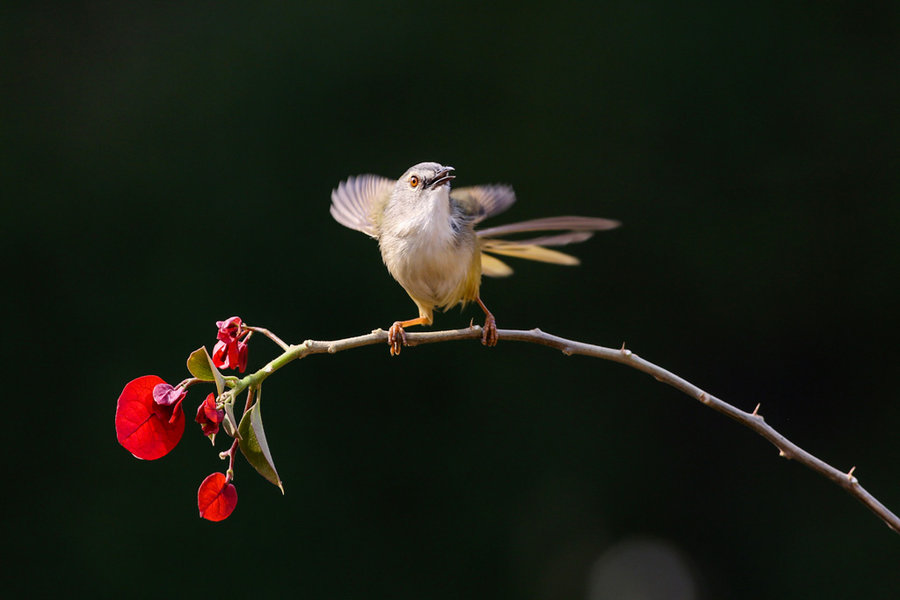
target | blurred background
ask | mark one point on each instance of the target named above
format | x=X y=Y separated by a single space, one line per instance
x=167 y=165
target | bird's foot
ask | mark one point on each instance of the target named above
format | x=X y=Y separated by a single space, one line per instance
x=396 y=338
x=489 y=334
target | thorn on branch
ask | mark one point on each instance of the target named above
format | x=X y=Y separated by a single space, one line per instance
x=755 y=412
x=850 y=476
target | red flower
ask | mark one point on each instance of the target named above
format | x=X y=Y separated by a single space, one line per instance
x=209 y=417
x=230 y=352
x=229 y=329
x=230 y=356
x=216 y=498
x=147 y=428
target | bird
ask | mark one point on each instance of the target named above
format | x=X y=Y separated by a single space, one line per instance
x=428 y=240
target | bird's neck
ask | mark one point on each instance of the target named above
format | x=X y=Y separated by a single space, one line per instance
x=429 y=218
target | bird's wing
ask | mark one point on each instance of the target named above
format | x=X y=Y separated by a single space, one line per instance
x=483 y=201
x=357 y=202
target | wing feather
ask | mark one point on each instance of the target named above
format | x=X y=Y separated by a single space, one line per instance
x=483 y=201
x=356 y=202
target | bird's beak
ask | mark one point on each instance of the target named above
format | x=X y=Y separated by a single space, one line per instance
x=441 y=177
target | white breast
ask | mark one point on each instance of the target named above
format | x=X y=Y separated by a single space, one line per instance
x=423 y=253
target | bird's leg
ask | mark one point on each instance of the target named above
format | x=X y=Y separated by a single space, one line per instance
x=489 y=331
x=396 y=335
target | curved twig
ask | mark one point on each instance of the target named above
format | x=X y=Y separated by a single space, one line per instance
x=753 y=421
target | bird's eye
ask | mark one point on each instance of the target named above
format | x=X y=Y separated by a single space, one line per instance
x=413 y=181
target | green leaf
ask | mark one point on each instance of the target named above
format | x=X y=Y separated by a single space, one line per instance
x=198 y=366
x=254 y=447
x=216 y=376
x=230 y=423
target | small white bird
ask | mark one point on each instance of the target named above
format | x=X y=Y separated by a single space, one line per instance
x=428 y=240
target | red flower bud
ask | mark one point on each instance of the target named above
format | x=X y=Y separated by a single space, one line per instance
x=209 y=417
x=230 y=355
x=229 y=330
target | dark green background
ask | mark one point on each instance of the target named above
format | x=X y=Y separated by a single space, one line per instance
x=167 y=165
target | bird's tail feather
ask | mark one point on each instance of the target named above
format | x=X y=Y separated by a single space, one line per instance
x=551 y=224
x=578 y=229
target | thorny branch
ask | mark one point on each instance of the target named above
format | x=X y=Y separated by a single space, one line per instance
x=753 y=421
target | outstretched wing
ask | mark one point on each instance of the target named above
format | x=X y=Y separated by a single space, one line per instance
x=483 y=201
x=357 y=202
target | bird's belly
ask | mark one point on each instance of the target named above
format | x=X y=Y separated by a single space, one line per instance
x=438 y=276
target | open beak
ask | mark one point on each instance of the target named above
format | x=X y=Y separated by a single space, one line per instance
x=441 y=177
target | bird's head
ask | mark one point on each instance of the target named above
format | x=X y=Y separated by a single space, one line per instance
x=423 y=180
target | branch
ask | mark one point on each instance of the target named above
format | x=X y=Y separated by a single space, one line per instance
x=753 y=421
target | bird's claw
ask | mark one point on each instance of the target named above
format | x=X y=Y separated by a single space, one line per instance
x=489 y=334
x=396 y=338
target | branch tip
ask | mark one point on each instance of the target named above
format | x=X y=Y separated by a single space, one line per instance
x=753 y=421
